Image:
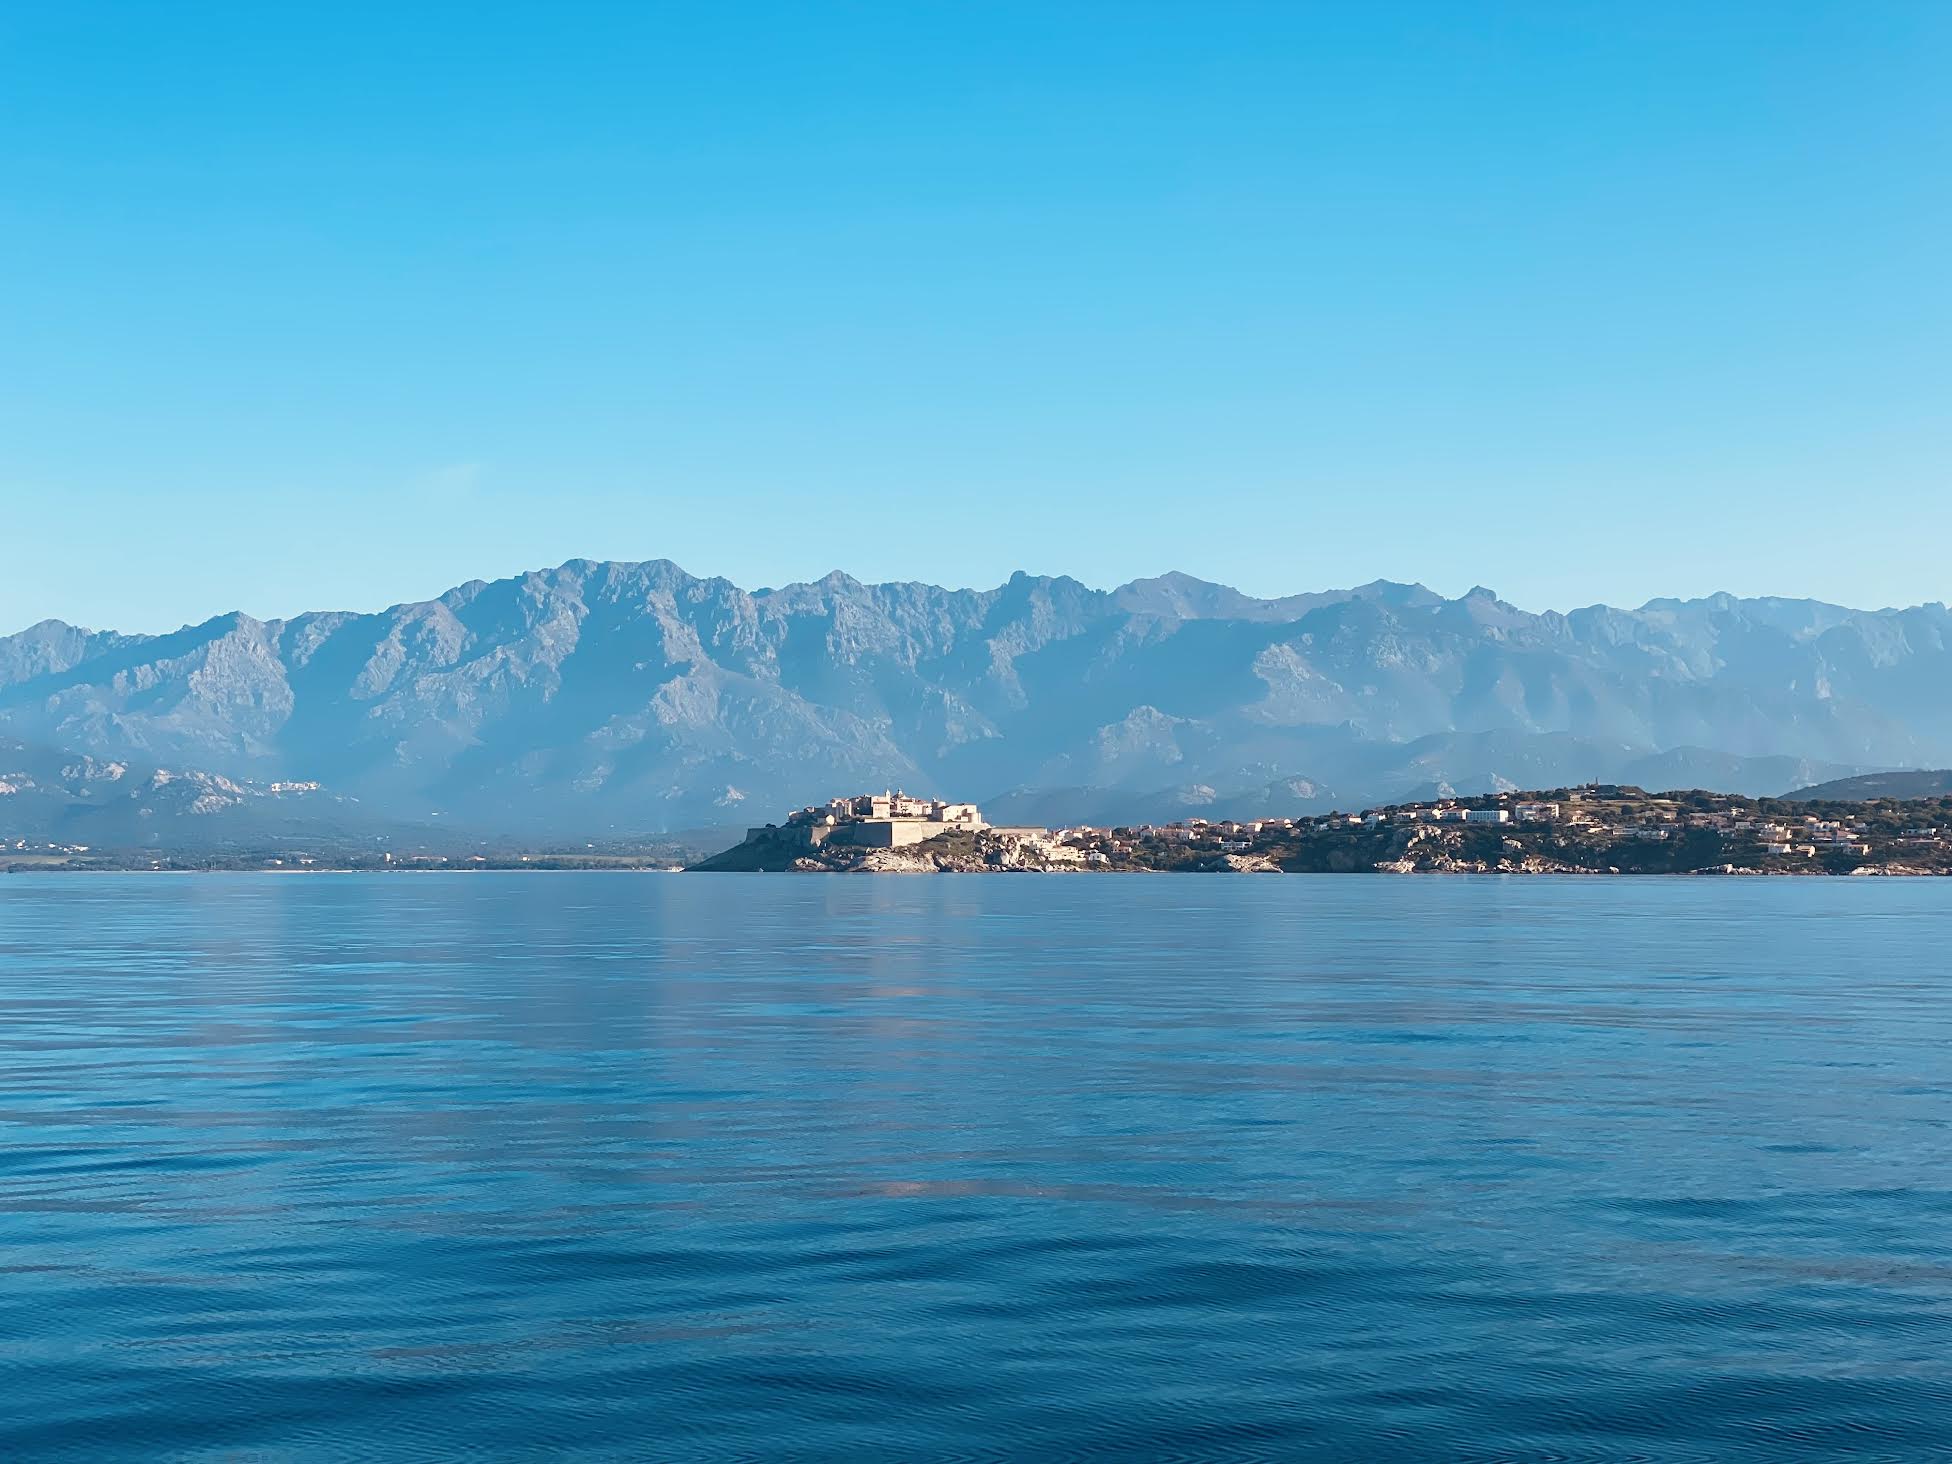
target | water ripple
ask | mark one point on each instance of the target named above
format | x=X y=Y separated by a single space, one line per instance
x=681 y=1169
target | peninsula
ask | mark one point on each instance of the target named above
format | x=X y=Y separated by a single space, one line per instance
x=1596 y=829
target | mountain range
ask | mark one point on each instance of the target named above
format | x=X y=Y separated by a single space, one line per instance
x=618 y=698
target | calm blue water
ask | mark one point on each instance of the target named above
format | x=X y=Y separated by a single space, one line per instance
x=695 y=1167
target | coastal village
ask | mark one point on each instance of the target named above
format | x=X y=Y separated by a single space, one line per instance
x=1596 y=829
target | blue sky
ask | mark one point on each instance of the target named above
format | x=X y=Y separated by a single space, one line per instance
x=323 y=306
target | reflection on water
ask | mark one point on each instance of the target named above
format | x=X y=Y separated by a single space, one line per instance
x=714 y=1167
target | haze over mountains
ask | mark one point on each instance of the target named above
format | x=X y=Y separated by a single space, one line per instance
x=609 y=698
x=1905 y=786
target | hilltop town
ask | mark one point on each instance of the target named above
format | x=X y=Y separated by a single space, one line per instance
x=893 y=833
x=1597 y=829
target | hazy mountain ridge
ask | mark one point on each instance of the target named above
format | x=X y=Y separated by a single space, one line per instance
x=612 y=696
x=1923 y=783
x=52 y=796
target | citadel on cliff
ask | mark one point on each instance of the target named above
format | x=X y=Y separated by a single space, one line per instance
x=874 y=821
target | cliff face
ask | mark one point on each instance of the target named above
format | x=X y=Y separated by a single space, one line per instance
x=608 y=697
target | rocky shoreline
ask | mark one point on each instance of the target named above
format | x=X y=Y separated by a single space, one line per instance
x=1592 y=830
x=990 y=852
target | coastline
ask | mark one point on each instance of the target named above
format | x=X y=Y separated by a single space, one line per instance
x=1592 y=831
x=1862 y=872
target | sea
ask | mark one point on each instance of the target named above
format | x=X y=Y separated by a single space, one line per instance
x=676 y=1167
